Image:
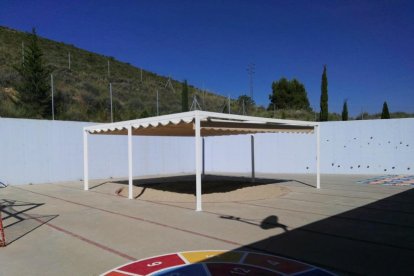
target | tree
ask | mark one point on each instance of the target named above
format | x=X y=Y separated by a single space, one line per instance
x=245 y=103
x=34 y=88
x=144 y=114
x=345 y=111
x=62 y=102
x=184 y=97
x=385 y=112
x=323 y=115
x=288 y=94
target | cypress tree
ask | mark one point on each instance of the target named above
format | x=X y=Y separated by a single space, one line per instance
x=345 y=112
x=34 y=87
x=385 y=112
x=324 y=97
x=184 y=97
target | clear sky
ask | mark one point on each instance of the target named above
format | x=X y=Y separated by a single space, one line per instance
x=368 y=46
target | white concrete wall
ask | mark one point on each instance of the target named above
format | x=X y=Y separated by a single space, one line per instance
x=108 y=156
x=277 y=153
x=368 y=147
x=37 y=151
x=353 y=147
x=33 y=151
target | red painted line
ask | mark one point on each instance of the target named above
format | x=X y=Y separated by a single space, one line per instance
x=137 y=218
x=252 y=247
x=2 y=238
x=156 y=202
x=101 y=246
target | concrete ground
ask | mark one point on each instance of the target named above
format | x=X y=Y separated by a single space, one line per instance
x=345 y=227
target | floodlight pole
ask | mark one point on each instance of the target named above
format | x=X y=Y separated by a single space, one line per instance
x=85 y=161
x=198 y=152
x=250 y=71
x=109 y=71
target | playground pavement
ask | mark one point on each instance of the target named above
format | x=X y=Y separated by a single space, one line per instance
x=345 y=227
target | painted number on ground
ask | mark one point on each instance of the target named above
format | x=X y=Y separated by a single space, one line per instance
x=154 y=264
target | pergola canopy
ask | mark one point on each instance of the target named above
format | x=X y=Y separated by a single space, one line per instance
x=211 y=124
x=198 y=124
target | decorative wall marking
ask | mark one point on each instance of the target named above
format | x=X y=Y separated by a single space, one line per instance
x=390 y=180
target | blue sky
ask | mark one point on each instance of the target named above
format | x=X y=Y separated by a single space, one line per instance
x=366 y=45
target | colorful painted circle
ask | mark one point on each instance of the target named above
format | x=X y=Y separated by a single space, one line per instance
x=216 y=262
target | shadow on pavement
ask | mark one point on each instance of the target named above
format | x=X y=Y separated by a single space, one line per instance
x=211 y=183
x=268 y=223
x=375 y=239
x=17 y=222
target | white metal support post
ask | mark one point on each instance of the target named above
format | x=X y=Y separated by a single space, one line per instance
x=204 y=158
x=130 y=162
x=198 y=153
x=85 y=161
x=252 y=155
x=318 y=157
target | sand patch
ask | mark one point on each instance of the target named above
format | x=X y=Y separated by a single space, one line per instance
x=215 y=189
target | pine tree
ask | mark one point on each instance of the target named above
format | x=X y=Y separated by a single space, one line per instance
x=385 y=112
x=324 y=97
x=34 y=88
x=345 y=112
x=288 y=94
x=184 y=97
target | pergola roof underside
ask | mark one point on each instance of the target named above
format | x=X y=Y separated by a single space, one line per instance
x=208 y=128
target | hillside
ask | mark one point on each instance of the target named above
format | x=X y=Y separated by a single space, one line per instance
x=84 y=88
x=82 y=91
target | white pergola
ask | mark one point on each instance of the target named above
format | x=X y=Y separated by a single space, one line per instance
x=197 y=124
